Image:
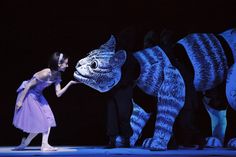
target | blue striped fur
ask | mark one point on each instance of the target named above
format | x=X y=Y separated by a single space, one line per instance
x=152 y=62
x=138 y=120
x=157 y=77
x=171 y=97
x=208 y=60
x=160 y=79
x=211 y=58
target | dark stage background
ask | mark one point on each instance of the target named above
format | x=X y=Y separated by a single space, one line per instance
x=32 y=30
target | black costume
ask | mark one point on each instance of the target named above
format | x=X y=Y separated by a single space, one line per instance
x=119 y=107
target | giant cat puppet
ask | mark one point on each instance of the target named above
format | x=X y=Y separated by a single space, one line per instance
x=101 y=70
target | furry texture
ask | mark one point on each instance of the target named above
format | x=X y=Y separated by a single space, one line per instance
x=211 y=64
x=208 y=59
x=157 y=78
x=101 y=70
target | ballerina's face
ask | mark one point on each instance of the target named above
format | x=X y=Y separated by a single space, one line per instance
x=62 y=67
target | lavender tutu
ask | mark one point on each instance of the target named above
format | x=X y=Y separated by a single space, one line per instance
x=35 y=114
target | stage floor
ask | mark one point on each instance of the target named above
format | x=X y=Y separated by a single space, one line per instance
x=99 y=151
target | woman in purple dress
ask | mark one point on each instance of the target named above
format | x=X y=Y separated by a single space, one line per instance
x=32 y=112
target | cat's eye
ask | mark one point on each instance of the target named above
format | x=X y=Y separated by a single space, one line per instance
x=94 y=65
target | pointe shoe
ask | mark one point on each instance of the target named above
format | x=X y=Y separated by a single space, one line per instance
x=22 y=146
x=48 y=148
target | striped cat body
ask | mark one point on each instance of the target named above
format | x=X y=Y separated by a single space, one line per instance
x=213 y=60
x=101 y=70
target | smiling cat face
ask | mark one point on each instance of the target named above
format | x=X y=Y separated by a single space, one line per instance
x=101 y=69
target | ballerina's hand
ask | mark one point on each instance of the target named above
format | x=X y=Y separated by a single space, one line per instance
x=74 y=82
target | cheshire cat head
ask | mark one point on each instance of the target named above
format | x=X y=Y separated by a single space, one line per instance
x=101 y=69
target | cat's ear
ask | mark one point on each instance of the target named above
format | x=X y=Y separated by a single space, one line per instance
x=233 y=31
x=118 y=59
x=110 y=45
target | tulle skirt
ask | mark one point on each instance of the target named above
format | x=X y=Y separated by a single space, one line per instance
x=35 y=115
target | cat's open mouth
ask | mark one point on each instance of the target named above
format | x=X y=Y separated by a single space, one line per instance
x=77 y=73
x=78 y=76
